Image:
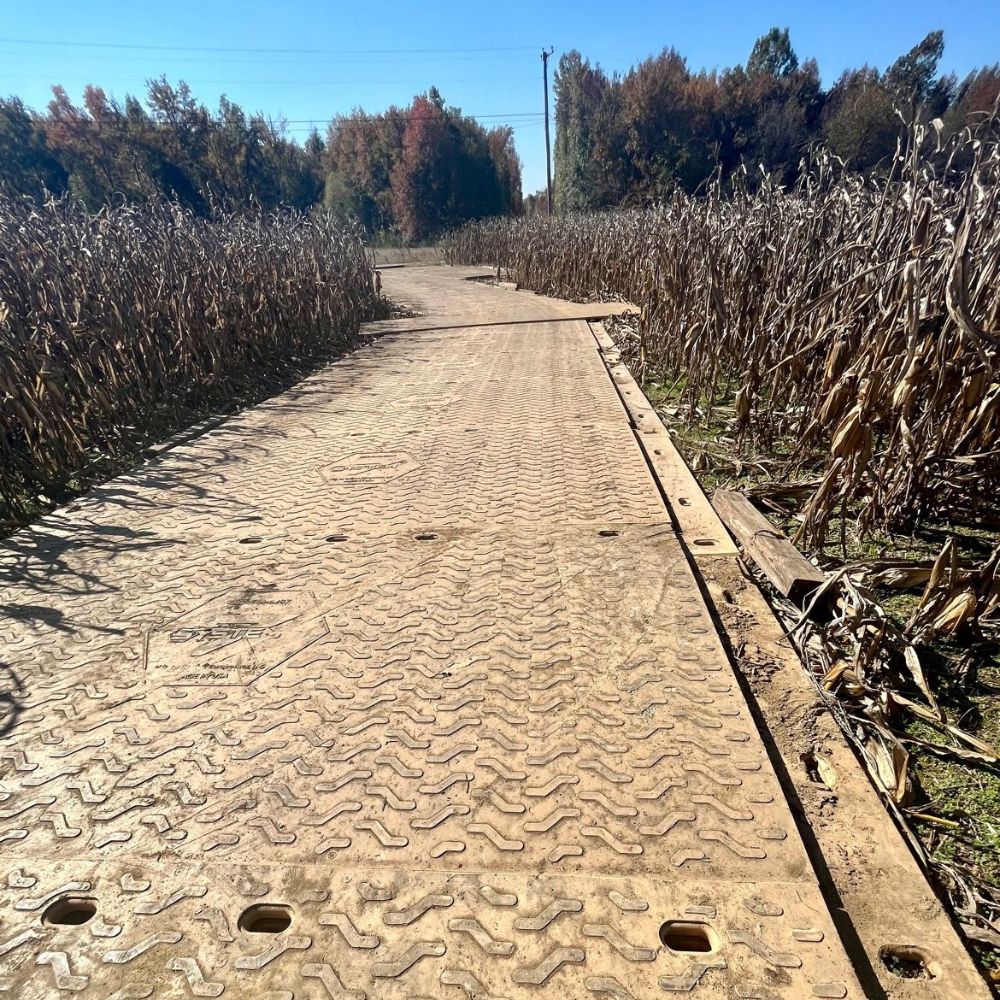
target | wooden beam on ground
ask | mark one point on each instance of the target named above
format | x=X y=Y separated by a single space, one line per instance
x=701 y=529
x=780 y=561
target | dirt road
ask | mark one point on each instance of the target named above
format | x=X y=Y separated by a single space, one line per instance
x=399 y=685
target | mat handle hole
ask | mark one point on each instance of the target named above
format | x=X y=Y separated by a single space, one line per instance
x=70 y=910
x=908 y=962
x=265 y=918
x=687 y=936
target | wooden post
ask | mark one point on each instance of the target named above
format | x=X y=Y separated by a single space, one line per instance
x=548 y=146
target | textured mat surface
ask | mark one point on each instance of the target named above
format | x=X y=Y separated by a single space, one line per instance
x=396 y=686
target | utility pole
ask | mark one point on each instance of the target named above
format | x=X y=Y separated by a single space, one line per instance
x=548 y=146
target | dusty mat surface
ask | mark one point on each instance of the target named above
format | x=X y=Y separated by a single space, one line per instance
x=398 y=685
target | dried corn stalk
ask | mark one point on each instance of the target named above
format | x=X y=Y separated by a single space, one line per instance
x=870 y=672
x=108 y=319
x=859 y=320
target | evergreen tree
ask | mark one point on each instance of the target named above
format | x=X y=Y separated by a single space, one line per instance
x=773 y=55
x=911 y=77
x=27 y=165
x=579 y=92
x=861 y=123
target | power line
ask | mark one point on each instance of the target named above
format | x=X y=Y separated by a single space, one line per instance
x=303 y=130
x=414 y=56
x=369 y=118
x=108 y=129
x=125 y=128
x=277 y=83
x=514 y=125
x=291 y=51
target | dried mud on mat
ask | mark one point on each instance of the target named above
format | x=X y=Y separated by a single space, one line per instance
x=398 y=685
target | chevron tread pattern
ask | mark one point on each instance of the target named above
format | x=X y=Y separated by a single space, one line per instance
x=411 y=654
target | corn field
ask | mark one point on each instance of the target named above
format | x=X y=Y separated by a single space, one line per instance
x=108 y=319
x=855 y=322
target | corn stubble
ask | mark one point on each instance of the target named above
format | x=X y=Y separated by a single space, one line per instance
x=107 y=320
x=858 y=320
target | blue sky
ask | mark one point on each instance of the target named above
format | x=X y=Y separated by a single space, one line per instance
x=306 y=60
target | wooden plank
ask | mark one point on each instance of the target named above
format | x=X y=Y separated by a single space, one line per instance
x=703 y=532
x=781 y=562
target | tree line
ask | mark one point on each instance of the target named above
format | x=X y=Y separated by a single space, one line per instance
x=422 y=170
x=410 y=172
x=414 y=172
x=635 y=138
